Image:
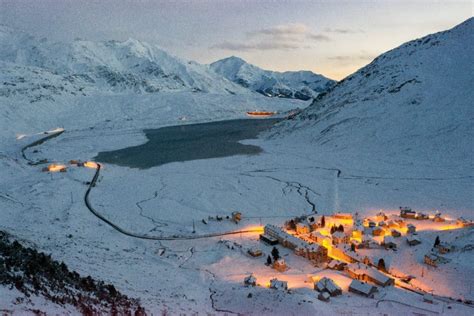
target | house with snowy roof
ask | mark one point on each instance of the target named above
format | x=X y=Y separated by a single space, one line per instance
x=278 y=284
x=413 y=240
x=327 y=285
x=340 y=238
x=389 y=243
x=362 y=288
x=363 y=272
x=250 y=280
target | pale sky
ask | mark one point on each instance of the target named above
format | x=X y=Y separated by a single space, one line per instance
x=333 y=38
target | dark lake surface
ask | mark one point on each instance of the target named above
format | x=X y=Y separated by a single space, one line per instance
x=190 y=142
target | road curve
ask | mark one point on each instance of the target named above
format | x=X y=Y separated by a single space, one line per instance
x=39 y=142
x=142 y=236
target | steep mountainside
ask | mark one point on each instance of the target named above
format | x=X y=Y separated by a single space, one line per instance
x=302 y=85
x=413 y=104
x=113 y=66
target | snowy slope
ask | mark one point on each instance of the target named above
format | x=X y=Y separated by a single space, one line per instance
x=411 y=106
x=111 y=65
x=302 y=85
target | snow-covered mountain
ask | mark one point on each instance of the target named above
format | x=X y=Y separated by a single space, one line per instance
x=302 y=85
x=82 y=66
x=413 y=105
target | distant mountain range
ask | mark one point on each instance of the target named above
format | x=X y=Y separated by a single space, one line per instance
x=302 y=85
x=45 y=68
x=39 y=69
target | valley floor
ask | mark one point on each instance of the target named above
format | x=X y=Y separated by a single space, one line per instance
x=205 y=276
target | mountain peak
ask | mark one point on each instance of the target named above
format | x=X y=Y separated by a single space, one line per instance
x=302 y=85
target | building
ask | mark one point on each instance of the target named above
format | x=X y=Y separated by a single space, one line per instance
x=362 y=288
x=381 y=216
x=302 y=228
x=327 y=285
x=462 y=222
x=389 y=243
x=236 y=217
x=344 y=252
x=443 y=247
x=280 y=265
x=311 y=251
x=395 y=233
x=378 y=231
x=319 y=238
x=421 y=216
x=340 y=238
x=268 y=239
x=336 y=265
x=362 y=272
x=254 y=252
x=411 y=229
x=438 y=218
x=433 y=259
x=324 y=296
x=407 y=212
x=55 y=168
x=370 y=223
x=278 y=285
x=413 y=240
x=357 y=232
x=250 y=280
x=343 y=216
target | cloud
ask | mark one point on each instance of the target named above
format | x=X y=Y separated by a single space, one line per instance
x=342 y=31
x=360 y=57
x=281 y=37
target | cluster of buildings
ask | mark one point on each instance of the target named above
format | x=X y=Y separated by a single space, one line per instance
x=313 y=251
x=335 y=239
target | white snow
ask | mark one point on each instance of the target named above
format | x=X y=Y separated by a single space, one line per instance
x=290 y=84
x=358 y=148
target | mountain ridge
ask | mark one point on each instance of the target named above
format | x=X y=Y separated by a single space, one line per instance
x=302 y=84
x=413 y=102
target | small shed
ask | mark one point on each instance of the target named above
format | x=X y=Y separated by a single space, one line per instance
x=413 y=240
x=444 y=247
x=254 y=252
x=236 y=217
x=411 y=229
x=389 y=243
x=280 y=265
x=324 y=296
x=250 y=280
x=431 y=259
x=362 y=288
x=278 y=284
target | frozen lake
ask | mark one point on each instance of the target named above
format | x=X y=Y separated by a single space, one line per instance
x=190 y=142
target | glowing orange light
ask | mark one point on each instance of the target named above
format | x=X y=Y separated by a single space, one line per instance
x=91 y=164
x=56 y=168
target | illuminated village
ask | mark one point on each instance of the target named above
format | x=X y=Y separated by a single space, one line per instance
x=352 y=252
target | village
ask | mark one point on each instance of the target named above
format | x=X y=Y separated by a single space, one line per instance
x=355 y=250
